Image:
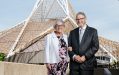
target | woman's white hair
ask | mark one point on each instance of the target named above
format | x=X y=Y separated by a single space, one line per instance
x=59 y=22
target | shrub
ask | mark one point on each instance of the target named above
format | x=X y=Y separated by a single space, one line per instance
x=2 y=56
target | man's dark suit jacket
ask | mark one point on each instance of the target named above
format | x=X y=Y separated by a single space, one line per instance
x=88 y=47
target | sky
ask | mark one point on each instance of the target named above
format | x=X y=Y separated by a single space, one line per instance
x=101 y=14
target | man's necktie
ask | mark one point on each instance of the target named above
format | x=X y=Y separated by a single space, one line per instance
x=80 y=35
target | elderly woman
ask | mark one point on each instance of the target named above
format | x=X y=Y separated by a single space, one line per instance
x=56 y=56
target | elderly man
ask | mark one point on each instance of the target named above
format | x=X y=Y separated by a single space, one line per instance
x=83 y=44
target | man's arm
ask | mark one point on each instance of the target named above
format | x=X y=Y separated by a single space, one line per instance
x=95 y=46
x=71 y=53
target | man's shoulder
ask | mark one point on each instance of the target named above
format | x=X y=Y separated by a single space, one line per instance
x=88 y=27
x=74 y=30
x=92 y=28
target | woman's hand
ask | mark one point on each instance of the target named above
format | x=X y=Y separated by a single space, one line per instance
x=48 y=66
x=69 y=48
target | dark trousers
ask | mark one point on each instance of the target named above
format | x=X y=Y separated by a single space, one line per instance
x=81 y=72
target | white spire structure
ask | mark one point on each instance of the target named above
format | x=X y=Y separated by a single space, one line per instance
x=43 y=11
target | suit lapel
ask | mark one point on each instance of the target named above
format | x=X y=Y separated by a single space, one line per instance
x=77 y=35
x=85 y=35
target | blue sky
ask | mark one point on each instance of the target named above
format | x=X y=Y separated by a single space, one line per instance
x=102 y=14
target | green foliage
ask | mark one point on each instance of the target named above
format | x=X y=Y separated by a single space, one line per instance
x=114 y=65
x=2 y=56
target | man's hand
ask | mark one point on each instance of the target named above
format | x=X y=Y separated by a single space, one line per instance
x=83 y=58
x=79 y=59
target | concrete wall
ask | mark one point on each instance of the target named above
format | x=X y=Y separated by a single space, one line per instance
x=8 y=68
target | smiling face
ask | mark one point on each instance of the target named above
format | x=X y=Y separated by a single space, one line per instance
x=81 y=20
x=60 y=28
